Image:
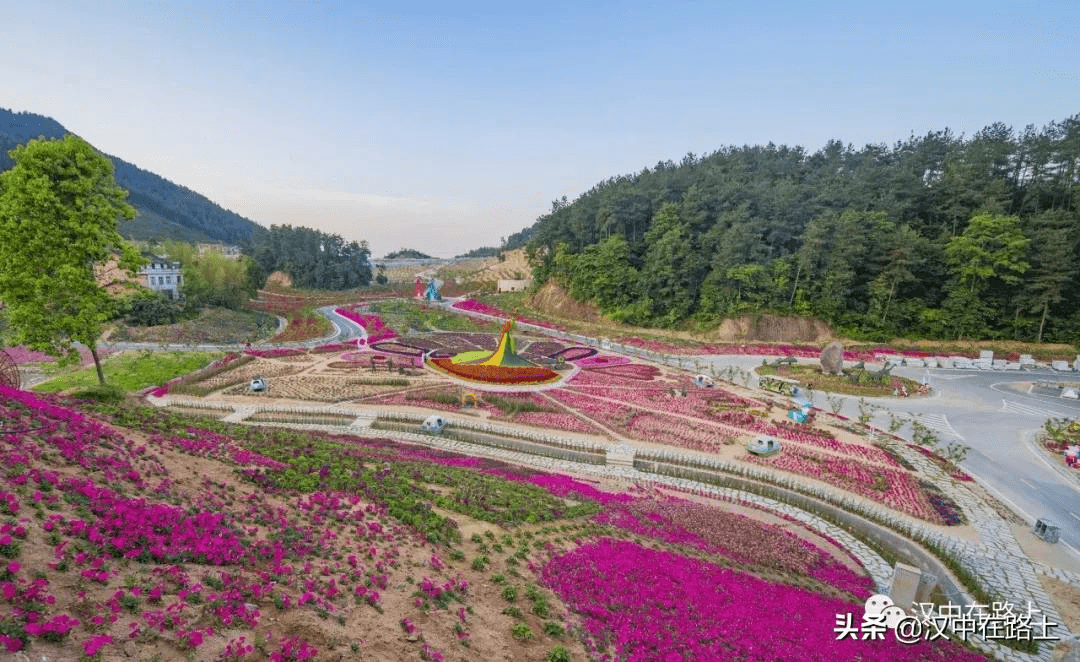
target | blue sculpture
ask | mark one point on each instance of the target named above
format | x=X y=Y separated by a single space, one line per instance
x=432 y=293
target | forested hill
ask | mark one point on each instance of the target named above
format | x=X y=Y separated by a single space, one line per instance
x=938 y=235
x=166 y=210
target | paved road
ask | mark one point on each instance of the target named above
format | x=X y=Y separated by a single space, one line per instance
x=997 y=414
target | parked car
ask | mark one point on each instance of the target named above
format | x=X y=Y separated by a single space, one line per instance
x=258 y=385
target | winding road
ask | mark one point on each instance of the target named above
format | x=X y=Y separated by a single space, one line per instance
x=998 y=414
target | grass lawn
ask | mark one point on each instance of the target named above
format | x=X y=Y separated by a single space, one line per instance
x=403 y=315
x=133 y=371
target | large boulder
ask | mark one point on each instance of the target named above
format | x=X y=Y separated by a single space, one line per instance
x=832 y=358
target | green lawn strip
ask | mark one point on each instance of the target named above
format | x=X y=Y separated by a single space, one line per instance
x=133 y=371
x=404 y=315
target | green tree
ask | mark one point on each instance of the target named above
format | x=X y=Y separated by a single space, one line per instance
x=671 y=273
x=901 y=250
x=992 y=246
x=1053 y=257
x=602 y=273
x=59 y=211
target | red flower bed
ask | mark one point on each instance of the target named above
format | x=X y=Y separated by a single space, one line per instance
x=601 y=361
x=303 y=327
x=491 y=374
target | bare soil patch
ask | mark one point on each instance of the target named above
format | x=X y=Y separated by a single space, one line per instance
x=553 y=300
x=770 y=328
x=279 y=279
x=1066 y=598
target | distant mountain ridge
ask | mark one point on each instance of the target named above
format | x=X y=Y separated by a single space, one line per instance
x=165 y=210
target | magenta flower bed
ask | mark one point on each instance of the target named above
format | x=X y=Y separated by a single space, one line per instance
x=598 y=410
x=705 y=434
x=133 y=528
x=639 y=604
x=800 y=351
x=575 y=353
x=603 y=378
x=373 y=324
x=474 y=306
x=20 y=354
x=652 y=397
x=672 y=431
x=733 y=536
x=638 y=371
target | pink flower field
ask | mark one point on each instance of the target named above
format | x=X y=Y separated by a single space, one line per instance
x=639 y=603
x=136 y=530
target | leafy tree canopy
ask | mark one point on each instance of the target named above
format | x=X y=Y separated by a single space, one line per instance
x=937 y=235
x=407 y=253
x=314 y=259
x=59 y=211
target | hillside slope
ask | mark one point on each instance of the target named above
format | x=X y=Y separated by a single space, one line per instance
x=165 y=210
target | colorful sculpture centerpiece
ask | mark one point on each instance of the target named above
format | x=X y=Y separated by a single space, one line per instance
x=503 y=366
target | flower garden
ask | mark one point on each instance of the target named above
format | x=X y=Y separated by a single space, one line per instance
x=134 y=532
x=610 y=396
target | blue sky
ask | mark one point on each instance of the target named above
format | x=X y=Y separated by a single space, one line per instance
x=446 y=126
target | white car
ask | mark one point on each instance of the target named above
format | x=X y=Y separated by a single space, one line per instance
x=258 y=385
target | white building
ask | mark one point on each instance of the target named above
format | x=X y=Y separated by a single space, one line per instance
x=514 y=284
x=162 y=276
x=225 y=249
